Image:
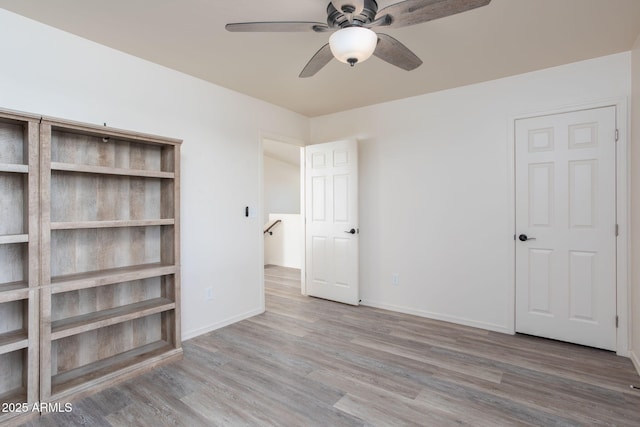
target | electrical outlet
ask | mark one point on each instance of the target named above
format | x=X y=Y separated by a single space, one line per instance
x=209 y=293
x=395 y=279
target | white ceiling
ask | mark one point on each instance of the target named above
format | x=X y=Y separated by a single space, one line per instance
x=506 y=37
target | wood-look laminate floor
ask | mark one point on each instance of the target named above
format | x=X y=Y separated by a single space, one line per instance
x=310 y=362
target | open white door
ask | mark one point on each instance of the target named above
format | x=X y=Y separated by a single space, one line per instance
x=331 y=193
x=566 y=227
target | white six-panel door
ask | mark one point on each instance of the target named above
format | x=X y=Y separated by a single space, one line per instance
x=331 y=205
x=566 y=208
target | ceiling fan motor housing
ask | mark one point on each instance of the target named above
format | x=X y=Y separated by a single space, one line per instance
x=340 y=18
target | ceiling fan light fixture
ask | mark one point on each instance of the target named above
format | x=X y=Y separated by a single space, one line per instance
x=353 y=44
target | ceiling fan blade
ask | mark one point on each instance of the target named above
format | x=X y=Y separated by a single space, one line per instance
x=277 y=27
x=319 y=60
x=411 y=12
x=349 y=6
x=395 y=53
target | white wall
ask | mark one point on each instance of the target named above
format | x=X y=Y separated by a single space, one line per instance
x=435 y=199
x=50 y=72
x=281 y=187
x=284 y=247
x=634 y=259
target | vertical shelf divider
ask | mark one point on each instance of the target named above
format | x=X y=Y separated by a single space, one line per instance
x=32 y=134
x=45 y=261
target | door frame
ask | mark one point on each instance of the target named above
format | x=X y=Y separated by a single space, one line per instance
x=623 y=298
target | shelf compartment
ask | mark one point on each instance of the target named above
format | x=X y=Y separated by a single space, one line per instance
x=12 y=141
x=86 y=348
x=14 y=264
x=109 y=370
x=76 y=225
x=13 y=335
x=106 y=277
x=13 y=291
x=105 y=170
x=13 y=168
x=12 y=374
x=13 y=203
x=18 y=395
x=80 y=198
x=12 y=341
x=89 y=250
x=88 y=322
x=99 y=298
x=14 y=238
x=107 y=148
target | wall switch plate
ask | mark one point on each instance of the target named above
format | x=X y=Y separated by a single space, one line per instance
x=209 y=293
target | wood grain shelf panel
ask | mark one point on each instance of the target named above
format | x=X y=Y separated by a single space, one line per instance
x=100 y=319
x=12 y=341
x=110 y=224
x=106 y=277
x=14 y=238
x=120 y=366
x=14 y=396
x=13 y=168
x=13 y=291
x=70 y=167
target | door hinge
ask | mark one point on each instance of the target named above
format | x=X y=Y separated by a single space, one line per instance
x=617 y=319
x=617 y=230
x=617 y=135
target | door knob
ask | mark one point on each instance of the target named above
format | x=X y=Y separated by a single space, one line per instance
x=524 y=238
x=352 y=231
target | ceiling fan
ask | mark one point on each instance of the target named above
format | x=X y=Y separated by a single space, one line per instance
x=351 y=22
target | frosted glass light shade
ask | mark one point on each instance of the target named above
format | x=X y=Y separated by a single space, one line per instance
x=353 y=44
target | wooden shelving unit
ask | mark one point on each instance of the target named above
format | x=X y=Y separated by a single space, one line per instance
x=89 y=258
x=19 y=262
x=110 y=256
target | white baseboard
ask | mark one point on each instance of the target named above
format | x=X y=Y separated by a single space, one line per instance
x=636 y=361
x=439 y=316
x=205 y=329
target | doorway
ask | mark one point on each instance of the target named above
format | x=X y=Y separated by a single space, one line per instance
x=325 y=245
x=283 y=231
